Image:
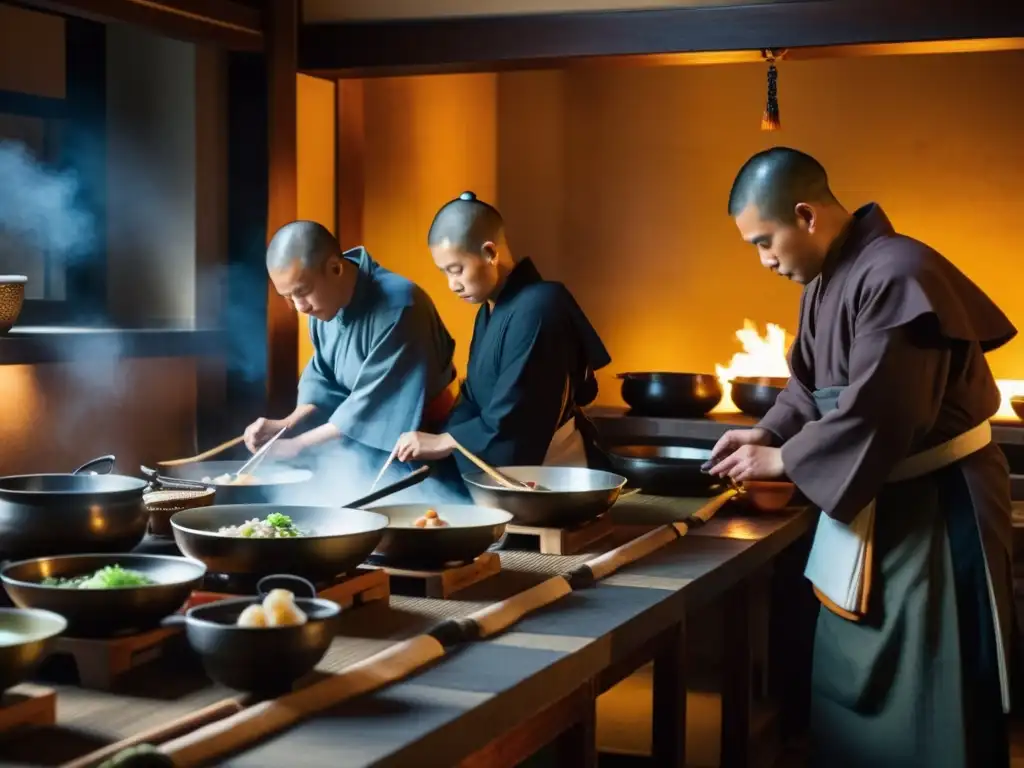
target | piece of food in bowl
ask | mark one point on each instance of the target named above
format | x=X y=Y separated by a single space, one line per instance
x=430 y=519
x=275 y=526
x=278 y=609
x=108 y=577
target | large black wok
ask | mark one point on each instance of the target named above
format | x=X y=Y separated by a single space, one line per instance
x=470 y=531
x=671 y=395
x=756 y=395
x=571 y=495
x=55 y=514
x=104 y=612
x=665 y=470
x=270 y=483
x=340 y=538
x=25 y=640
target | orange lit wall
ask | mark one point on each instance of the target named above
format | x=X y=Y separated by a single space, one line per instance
x=427 y=140
x=316 y=147
x=615 y=181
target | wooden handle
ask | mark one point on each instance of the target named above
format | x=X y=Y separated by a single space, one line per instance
x=608 y=563
x=208 y=744
x=204 y=455
x=492 y=473
x=495 y=618
x=161 y=733
x=710 y=509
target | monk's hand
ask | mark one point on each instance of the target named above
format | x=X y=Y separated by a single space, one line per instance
x=732 y=441
x=423 y=446
x=751 y=462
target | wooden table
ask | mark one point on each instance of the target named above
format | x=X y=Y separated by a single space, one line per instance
x=494 y=703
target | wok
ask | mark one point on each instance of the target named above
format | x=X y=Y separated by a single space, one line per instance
x=571 y=495
x=342 y=537
x=104 y=612
x=271 y=481
x=470 y=532
x=26 y=637
x=756 y=395
x=56 y=514
x=665 y=470
x=671 y=395
x=262 y=660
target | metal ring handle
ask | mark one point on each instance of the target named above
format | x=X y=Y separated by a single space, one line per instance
x=87 y=468
x=262 y=591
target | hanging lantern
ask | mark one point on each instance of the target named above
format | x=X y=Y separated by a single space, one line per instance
x=770 y=119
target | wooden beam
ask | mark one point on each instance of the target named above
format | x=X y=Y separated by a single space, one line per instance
x=218 y=22
x=362 y=49
x=282 y=203
x=351 y=162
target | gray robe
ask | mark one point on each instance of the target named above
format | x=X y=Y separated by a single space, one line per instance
x=380 y=361
x=889 y=361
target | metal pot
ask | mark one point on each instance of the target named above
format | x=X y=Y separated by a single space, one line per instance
x=671 y=395
x=664 y=469
x=55 y=514
x=756 y=395
x=572 y=495
x=271 y=483
x=104 y=612
x=28 y=639
x=342 y=537
x=470 y=532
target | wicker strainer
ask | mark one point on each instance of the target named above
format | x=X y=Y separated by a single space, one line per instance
x=163 y=504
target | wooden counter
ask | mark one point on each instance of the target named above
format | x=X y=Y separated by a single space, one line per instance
x=570 y=652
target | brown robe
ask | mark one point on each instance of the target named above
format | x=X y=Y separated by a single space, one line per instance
x=889 y=361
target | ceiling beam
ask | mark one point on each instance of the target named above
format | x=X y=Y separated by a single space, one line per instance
x=490 y=43
x=223 y=23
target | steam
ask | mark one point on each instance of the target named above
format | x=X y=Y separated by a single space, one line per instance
x=40 y=207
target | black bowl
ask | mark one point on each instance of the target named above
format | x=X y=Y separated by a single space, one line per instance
x=665 y=469
x=261 y=660
x=104 y=612
x=756 y=395
x=671 y=395
x=26 y=637
x=470 y=532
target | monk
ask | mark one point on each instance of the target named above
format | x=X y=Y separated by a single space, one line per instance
x=884 y=427
x=382 y=357
x=532 y=358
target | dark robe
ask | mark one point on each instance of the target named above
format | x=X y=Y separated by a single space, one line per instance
x=531 y=369
x=889 y=361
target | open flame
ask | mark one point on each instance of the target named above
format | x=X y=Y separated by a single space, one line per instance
x=761 y=356
x=766 y=356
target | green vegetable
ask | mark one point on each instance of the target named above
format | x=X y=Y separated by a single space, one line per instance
x=283 y=524
x=108 y=577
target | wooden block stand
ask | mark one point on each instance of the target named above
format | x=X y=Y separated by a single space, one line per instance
x=27 y=704
x=100 y=661
x=566 y=541
x=363 y=586
x=444 y=583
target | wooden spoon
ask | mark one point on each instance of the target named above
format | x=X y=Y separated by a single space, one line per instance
x=499 y=477
x=204 y=455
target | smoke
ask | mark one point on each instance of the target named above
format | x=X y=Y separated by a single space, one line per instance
x=40 y=208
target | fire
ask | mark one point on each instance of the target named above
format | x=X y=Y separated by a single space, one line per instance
x=761 y=356
x=1008 y=388
x=766 y=356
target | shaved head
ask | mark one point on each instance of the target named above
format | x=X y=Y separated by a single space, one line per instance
x=465 y=224
x=306 y=243
x=776 y=181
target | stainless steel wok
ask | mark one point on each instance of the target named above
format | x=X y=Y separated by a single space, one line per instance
x=571 y=495
x=470 y=531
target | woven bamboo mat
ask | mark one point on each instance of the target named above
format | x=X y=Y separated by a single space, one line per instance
x=168 y=689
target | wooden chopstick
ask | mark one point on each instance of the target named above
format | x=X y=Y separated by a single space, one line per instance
x=204 y=455
x=391 y=458
x=498 y=477
x=257 y=458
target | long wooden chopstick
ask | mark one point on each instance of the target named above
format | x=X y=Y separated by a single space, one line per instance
x=503 y=480
x=391 y=458
x=204 y=455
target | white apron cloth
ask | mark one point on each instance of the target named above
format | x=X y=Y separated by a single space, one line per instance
x=566 y=448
